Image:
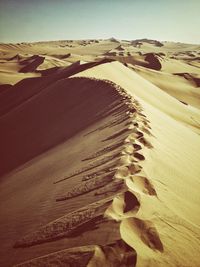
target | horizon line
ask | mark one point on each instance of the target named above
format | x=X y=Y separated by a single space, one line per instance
x=81 y=39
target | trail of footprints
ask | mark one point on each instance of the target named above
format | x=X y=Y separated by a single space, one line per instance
x=129 y=170
x=116 y=175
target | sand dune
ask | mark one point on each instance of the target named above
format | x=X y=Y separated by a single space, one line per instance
x=180 y=87
x=153 y=60
x=31 y=64
x=99 y=154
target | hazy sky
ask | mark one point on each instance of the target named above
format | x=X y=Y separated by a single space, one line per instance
x=35 y=20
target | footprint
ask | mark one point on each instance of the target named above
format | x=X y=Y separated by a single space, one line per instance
x=145 y=142
x=119 y=254
x=141 y=184
x=137 y=147
x=144 y=231
x=134 y=168
x=124 y=171
x=145 y=130
x=130 y=202
x=139 y=156
x=135 y=135
x=141 y=114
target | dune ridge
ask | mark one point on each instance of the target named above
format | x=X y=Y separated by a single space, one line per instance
x=123 y=206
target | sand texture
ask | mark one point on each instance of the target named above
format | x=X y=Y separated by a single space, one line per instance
x=100 y=154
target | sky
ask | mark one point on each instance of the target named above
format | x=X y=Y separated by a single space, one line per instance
x=43 y=20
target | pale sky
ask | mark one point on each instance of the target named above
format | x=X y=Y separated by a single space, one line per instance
x=40 y=20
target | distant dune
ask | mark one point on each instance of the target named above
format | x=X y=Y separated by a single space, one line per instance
x=100 y=159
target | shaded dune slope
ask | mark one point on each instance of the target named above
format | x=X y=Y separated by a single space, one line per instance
x=31 y=63
x=190 y=77
x=19 y=141
x=153 y=60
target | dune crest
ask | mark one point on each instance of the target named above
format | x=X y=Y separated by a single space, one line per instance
x=125 y=204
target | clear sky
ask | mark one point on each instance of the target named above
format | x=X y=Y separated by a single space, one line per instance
x=37 y=20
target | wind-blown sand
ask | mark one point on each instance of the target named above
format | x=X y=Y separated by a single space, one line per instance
x=100 y=159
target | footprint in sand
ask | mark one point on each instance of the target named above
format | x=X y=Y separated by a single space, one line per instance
x=143 y=231
x=141 y=184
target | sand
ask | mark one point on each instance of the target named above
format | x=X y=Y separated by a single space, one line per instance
x=100 y=159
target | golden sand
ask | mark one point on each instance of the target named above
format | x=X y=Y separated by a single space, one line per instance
x=100 y=161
